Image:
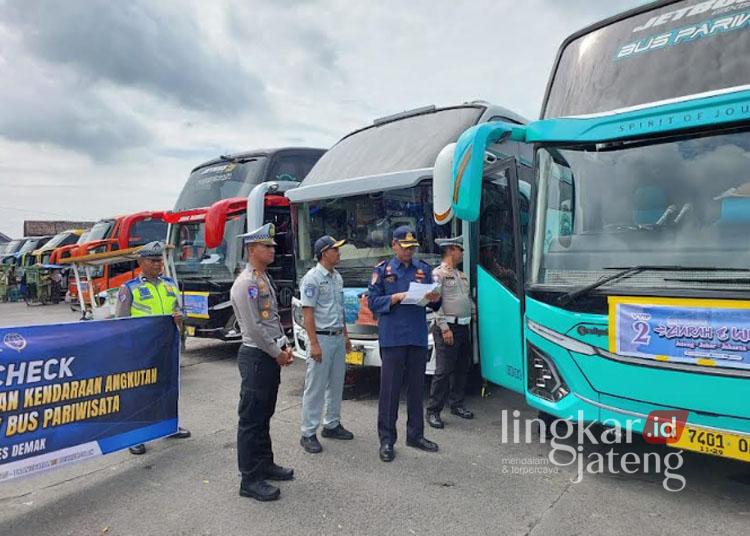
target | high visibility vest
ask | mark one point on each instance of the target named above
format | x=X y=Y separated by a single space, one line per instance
x=150 y=299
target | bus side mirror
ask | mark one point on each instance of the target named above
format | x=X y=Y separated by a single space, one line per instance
x=442 y=182
x=468 y=164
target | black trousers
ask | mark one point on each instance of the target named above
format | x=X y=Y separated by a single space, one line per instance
x=401 y=363
x=261 y=376
x=451 y=368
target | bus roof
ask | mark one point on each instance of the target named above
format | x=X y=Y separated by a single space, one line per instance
x=255 y=153
x=382 y=162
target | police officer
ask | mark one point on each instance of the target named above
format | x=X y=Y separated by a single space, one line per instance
x=264 y=351
x=403 y=341
x=451 y=333
x=322 y=296
x=151 y=293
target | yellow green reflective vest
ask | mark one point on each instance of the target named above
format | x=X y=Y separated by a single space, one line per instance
x=150 y=299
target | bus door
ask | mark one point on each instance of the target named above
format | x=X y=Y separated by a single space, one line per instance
x=499 y=238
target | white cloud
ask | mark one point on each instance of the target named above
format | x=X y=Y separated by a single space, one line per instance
x=105 y=107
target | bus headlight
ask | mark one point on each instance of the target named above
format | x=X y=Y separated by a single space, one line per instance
x=544 y=379
x=297 y=314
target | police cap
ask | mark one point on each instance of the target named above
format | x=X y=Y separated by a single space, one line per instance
x=405 y=237
x=262 y=235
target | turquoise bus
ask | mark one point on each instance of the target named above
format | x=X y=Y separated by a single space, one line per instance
x=629 y=292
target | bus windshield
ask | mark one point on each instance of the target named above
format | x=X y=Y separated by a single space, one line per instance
x=13 y=246
x=194 y=260
x=209 y=184
x=145 y=231
x=366 y=222
x=100 y=230
x=683 y=48
x=682 y=202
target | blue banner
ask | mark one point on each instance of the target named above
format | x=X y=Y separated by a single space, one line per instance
x=69 y=392
x=709 y=333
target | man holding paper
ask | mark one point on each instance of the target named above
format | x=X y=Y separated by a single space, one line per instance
x=402 y=338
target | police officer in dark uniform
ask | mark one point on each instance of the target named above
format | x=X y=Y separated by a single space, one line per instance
x=403 y=341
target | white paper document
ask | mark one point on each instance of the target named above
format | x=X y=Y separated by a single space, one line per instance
x=415 y=294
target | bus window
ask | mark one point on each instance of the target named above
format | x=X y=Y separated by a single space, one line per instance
x=291 y=167
x=496 y=236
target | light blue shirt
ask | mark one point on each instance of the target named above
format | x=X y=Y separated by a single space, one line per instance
x=324 y=292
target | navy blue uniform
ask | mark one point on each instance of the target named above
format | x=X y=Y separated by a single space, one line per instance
x=403 y=345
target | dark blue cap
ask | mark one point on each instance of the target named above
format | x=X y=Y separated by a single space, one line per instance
x=405 y=236
x=327 y=242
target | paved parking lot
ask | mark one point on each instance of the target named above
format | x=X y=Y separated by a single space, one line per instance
x=476 y=484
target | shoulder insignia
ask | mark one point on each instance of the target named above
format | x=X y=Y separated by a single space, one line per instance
x=309 y=291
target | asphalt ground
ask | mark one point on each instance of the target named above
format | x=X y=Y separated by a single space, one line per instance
x=476 y=484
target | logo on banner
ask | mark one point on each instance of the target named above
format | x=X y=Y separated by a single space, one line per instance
x=14 y=341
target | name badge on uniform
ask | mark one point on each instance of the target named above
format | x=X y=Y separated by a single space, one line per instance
x=145 y=293
x=252 y=292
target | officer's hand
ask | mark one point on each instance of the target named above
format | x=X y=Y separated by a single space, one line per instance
x=178 y=317
x=448 y=337
x=284 y=358
x=315 y=352
x=348 y=345
x=432 y=296
x=398 y=297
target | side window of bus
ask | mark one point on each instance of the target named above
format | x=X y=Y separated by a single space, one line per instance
x=496 y=240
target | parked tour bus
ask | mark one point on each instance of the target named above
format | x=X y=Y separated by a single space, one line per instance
x=372 y=181
x=69 y=250
x=635 y=295
x=221 y=200
x=43 y=255
x=111 y=234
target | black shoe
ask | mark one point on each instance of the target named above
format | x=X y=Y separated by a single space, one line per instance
x=311 y=444
x=422 y=444
x=434 y=420
x=138 y=449
x=386 y=453
x=337 y=433
x=276 y=472
x=259 y=490
x=462 y=412
x=181 y=433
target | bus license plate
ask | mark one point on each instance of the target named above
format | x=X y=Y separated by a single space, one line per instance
x=713 y=442
x=190 y=330
x=355 y=358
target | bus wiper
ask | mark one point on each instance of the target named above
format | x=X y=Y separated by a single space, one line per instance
x=207 y=278
x=565 y=299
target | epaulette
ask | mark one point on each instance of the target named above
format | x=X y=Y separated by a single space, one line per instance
x=381 y=263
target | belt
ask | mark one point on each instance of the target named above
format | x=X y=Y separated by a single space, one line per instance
x=465 y=321
x=330 y=332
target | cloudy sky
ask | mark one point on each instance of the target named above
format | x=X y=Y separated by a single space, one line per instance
x=106 y=106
